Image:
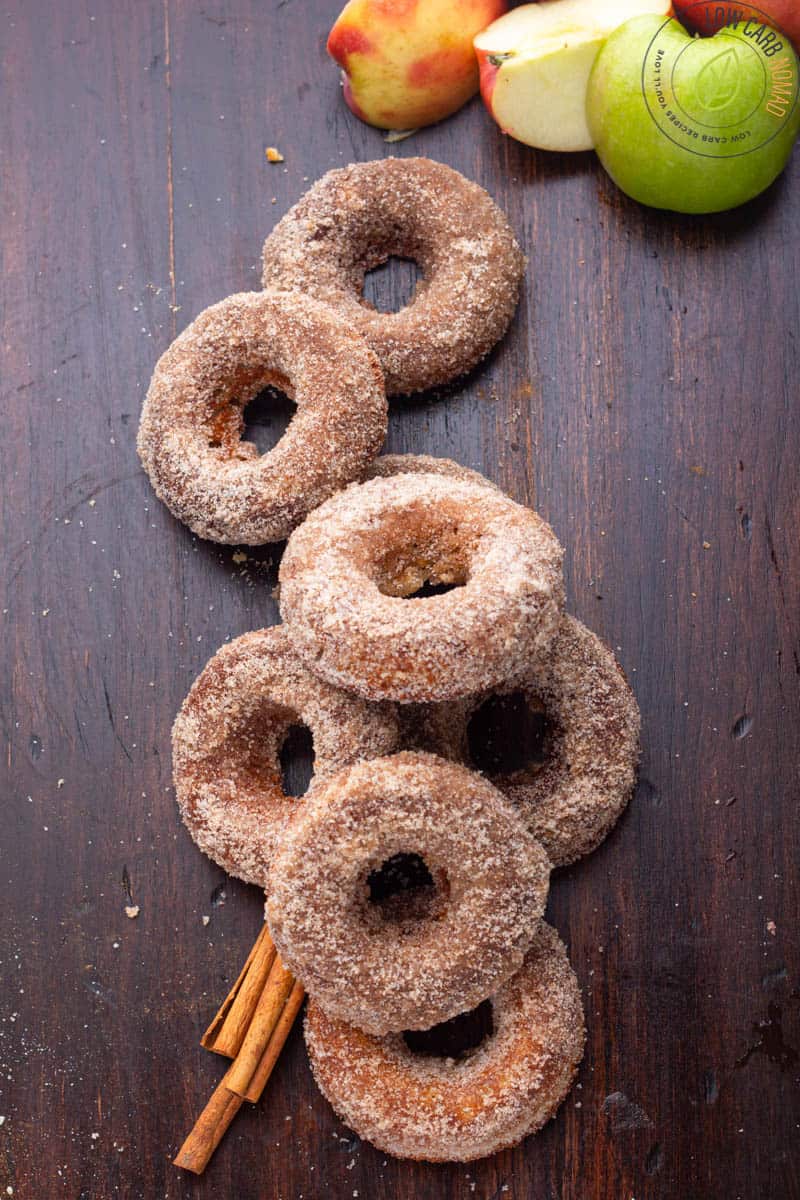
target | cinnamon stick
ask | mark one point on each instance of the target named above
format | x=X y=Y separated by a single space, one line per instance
x=266 y=1016
x=226 y=1032
x=259 y=1046
x=209 y=1129
x=275 y=1044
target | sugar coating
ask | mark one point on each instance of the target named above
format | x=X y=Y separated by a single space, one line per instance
x=446 y=1110
x=387 y=974
x=574 y=798
x=423 y=464
x=190 y=432
x=227 y=737
x=355 y=218
x=347 y=570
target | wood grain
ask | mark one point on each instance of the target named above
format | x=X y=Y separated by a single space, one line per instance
x=645 y=400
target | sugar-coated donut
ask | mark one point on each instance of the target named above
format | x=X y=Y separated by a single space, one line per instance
x=190 y=433
x=453 y=1110
x=355 y=218
x=227 y=739
x=572 y=800
x=349 y=573
x=421 y=956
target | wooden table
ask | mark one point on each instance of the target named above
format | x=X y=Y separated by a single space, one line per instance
x=645 y=401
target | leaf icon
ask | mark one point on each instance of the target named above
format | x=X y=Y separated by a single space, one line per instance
x=718 y=82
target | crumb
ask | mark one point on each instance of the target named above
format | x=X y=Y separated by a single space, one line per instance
x=60 y=784
x=706 y=545
x=205 y=919
x=273 y=155
x=132 y=911
x=772 y=928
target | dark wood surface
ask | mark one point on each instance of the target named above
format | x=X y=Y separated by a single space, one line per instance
x=645 y=401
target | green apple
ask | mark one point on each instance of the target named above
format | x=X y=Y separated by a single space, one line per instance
x=535 y=63
x=696 y=125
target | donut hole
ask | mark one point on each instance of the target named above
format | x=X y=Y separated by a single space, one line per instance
x=420 y=558
x=457 y=1038
x=403 y=891
x=296 y=758
x=426 y=590
x=510 y=735
x=252 y=417
x=391 y=286
x=266 y=418
x=269 y=749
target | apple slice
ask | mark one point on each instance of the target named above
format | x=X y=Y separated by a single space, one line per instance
x=535 y=63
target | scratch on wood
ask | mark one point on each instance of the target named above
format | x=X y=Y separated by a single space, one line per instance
x=742 y=727
x=170 y=188
x=110 y=712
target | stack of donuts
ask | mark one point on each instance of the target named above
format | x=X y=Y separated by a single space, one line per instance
x=406 y=889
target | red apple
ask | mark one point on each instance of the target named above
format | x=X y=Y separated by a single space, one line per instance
x=408 y=63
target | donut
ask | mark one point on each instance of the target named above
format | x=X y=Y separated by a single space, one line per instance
x=348 y=569
x=190 y=435
x=394 y=959
x=572 y=800
x=355 y=218
x=453 y=1109
x=227 y=739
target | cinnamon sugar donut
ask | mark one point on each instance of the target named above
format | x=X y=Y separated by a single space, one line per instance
x=416 y=957
x=445 y=1109
x=227 y=739
x=355 y=218
x=348 y=569
x=572 y=800
x=190 y=436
